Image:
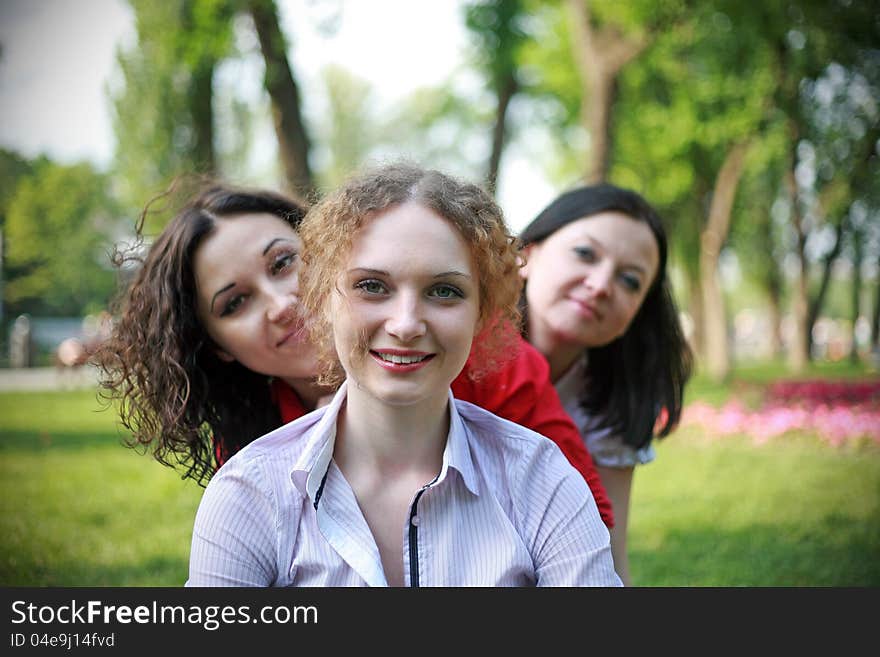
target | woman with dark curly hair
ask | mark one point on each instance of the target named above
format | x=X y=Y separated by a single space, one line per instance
x=395 y=482
x=192 y=368
x=599 y=307
x=208 y=353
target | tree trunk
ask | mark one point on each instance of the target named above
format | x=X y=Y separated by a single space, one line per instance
x=600 y=55
x=875 y=318
x=775 y=322
x=695 y=305
x=815 y=306
x=798 y=356
x=202 y=110
x=499 y=132
x=856 y=293
x=712 y=239
x=293 y=140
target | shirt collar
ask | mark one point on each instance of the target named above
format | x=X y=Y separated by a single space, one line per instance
x=457 y=453
x=310 y=469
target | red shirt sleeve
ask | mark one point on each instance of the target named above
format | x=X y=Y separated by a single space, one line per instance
x=521 y=392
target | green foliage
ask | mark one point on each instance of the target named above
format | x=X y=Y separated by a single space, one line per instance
x=497 y=30
x=163 y=112
x=58 y=232
x=13 y=167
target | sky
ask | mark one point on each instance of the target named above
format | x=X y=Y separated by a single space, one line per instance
x=58 y=58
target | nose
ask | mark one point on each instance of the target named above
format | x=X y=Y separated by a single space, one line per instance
x=405 y=321
x=599 y=279
x=281 y=305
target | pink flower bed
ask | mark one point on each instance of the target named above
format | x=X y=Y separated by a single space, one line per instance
x=836 y=411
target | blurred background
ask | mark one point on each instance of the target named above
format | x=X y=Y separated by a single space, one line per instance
x=753 y=127
x=754 y=130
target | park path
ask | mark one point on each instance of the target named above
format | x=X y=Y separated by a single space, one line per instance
x=35 y=379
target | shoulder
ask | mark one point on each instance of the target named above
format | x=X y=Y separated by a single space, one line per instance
x=494 y=435
x=517 y=379
x=264 y=465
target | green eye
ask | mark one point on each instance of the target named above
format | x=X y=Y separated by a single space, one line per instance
x=371 y=286
x=446 y=292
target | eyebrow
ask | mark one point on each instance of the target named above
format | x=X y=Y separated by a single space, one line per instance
x=273 y=242
x=382 y=272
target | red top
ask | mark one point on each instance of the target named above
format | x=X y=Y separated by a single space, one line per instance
x=520 y=392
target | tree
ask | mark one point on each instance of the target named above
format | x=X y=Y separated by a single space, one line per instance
x=691 y=114
x=605 y=38
x=496 y=28
x=294 y=143
x=59 y=225
x=806 y=37
x=13 y=168
x=163 y=112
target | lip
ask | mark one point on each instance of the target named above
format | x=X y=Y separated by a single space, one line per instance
x=586 y=309
x=296 y=334
x=401 y=367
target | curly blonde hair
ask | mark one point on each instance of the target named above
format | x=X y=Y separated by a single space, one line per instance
x=330 y=226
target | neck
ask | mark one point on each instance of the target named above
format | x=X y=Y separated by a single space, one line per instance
x=309 y=392
x=391 y=439
x=559 y=352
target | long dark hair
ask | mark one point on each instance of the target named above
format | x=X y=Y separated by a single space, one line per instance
x=640 y=376
x=172 y=392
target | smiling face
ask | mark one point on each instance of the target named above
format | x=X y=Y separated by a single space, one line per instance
x=586 y=281
x=406 y=307
x=248 y=295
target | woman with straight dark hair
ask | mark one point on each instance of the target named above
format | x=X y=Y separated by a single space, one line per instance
x=598 y=305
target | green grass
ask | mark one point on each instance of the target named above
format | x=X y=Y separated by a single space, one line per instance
x=727 y=512
x=79 y=509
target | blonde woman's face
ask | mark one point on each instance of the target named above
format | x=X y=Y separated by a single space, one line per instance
x=406 y=307
x=247 y=284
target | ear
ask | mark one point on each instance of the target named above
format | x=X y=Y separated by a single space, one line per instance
x=223 y=355
x=526 y=254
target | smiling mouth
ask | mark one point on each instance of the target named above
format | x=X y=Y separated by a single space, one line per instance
x=401 y=359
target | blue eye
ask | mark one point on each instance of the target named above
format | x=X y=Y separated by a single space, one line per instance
x=631 y=282
x=446 y=292
x=585 y=253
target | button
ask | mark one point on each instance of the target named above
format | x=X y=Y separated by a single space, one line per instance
x=415 y=521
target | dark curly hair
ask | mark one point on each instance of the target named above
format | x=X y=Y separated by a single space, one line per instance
x=640 y=376
x=175 y=396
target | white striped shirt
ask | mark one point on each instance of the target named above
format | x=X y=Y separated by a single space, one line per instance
x=507 y=509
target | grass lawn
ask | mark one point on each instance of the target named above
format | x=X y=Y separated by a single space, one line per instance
x=78 y=509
